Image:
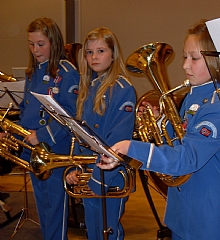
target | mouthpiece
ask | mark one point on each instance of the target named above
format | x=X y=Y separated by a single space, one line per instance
x=186 y=83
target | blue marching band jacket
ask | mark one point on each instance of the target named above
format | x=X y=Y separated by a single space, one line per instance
x=64 y=90
x=193 y=208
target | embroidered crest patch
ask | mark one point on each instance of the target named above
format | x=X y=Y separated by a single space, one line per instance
x=127 y=106
x=205 y=132
x=74 y=89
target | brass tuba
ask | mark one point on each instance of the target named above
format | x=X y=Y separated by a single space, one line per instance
x=150 y=60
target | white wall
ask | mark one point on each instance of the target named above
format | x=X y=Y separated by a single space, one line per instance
x=139 y=22
x=15 y=16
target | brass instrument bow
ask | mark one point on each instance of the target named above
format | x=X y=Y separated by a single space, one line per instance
x=150 y=60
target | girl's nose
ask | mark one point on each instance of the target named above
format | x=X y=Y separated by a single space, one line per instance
x=94 y=56
x=185 y=64
x=35 y=48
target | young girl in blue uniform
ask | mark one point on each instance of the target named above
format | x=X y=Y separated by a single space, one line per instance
x=192 y=211
x=106 y=102
x=48 y=72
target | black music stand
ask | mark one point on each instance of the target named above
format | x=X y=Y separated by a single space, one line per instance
x=24 y=216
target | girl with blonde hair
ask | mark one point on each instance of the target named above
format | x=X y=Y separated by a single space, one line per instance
x=106 y=102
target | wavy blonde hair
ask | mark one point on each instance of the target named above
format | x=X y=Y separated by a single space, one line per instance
x=117 y=68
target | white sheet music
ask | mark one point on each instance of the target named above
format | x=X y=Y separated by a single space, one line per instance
x=95 y=143
x=214 y=31
x=49 y=102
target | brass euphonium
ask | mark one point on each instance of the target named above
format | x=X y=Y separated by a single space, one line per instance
x=150 y=60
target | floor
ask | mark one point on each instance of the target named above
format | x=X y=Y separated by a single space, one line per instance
x=138 y=220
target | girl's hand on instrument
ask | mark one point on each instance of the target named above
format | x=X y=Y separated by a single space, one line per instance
x=32 y=138
x=110 y=163
x=143 y=107
x=72 y=177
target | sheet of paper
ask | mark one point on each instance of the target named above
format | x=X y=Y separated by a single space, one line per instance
x=214 y=31
x=49 y=102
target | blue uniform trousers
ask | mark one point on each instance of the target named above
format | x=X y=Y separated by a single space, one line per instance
x=52 y=205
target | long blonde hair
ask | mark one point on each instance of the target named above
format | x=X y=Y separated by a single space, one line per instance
x=57 y=52
x=117 y=68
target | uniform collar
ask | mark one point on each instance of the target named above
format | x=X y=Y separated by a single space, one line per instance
x=203 y=88
x=43 y=64
x=96 y=78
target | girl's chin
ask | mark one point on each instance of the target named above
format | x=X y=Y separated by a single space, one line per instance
x=41 y=60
